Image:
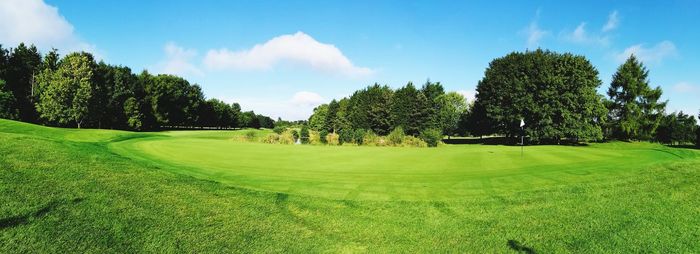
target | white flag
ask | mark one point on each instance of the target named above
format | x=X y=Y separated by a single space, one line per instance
x=522 y=123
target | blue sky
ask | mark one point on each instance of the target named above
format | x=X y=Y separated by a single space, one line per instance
x=282 y=58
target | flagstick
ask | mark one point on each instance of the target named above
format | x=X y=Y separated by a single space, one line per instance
x=522 y=142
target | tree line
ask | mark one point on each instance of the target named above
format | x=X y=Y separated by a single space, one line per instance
x=554 y=93
x=76 y=91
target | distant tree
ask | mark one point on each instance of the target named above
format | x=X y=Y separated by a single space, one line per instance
x=331 y=122
x=410 y=110
x=453 y=106
x=476 y=122
x=697 y=134
x=23 y=65
x=676 y=128
x=266 y=122
x=317 y=120
x=133 y=114
x=50 y=60
x=7 y=103
x=635 y=110
x=432 y=91
x=66 y=92
x=431 y=136
x=370 y=109
x=174 y=101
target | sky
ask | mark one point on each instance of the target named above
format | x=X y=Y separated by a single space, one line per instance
x=283 y=58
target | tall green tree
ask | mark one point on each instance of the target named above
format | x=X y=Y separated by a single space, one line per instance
x=555 y=94
x=331 y=122
x=370 y=109
x=410 y=110
x=66 y=92
x=432 y=91
x=634 y=107
x=23 y=64
x=453 y=106
x=317 y=120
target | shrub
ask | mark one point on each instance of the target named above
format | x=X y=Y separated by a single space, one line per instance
x=250 y=135
x=304 y=135
x=323 y=134
x=431 y=136
x=271 y=138
x=358 y=136
x=346 y=136
x=287 y=137
x=279 y=129
x=315 y=138
x=411 y=141
x=333 y=139
x=396 y=136
x=369 y=138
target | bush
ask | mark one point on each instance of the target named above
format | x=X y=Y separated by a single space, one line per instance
x=346 y=136
x=411 y=141
x=358 y=136
x=287 y=137
x=250 y=135
x=304 y=135
x=279 y=129
x=333 y=139
x=396 y=136
x=271 y=138
x=431 y=136
x=323 y=134
x=314 y=138
x=369 y=138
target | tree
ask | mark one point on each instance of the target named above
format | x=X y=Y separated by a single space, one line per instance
x=66 y=92
x=676 y=128
x=432 y=92
x=317 y=120
x=410 y=110
x=133 y=114
x=453 y=106
x=7 y=103
x=330 y=124
x=370 y=109
x=555 y=93
x=174 y=101
x=635 y=110
x=23 y=64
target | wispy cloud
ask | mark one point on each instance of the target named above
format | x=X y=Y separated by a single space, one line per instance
x=613 y=22
x=534 y=33
x=653 y=55
x=685 y=87
x=581 y=36
x=298 y=48
x=178 y=61
x=35 y=22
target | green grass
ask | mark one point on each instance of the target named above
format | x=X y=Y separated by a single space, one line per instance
x=201 y=191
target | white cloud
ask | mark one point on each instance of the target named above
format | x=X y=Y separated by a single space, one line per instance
x=305 y=98
x=654 y=55
x=579 y=35
x=299 y=107
x=469 y=95
x=298 y=48
x=685 y=87
x=534 y=34
x=613 y=22
x=35 y=22
x=178 y=61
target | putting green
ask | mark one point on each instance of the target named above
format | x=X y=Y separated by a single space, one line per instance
x=388 y=173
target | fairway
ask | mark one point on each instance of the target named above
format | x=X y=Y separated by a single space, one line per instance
x=389 y=173
x=103 y=191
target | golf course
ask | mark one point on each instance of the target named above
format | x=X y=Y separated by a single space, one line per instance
x=207 y=191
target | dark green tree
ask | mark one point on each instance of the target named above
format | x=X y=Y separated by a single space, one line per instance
x=7 y=103
x=634 y=108
x=370 y=109
x=410 y=110
x=23 y=65
x=432 y=92
x=331 y=122
x=555 y=94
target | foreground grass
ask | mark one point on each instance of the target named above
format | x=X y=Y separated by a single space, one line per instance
x=65 y=191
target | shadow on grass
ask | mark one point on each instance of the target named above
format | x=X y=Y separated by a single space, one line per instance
x=517 y=246
x=24 y=219
x=685 y=146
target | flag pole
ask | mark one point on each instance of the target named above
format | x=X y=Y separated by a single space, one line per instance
x=522 y=136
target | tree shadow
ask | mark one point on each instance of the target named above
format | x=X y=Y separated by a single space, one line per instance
x=510 y=141
x=517 y=246
x=24 y=219
x=685 y=146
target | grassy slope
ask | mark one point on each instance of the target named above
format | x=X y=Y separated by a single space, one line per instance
x=61 y=193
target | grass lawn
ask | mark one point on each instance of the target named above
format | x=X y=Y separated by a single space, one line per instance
x=204 y=191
